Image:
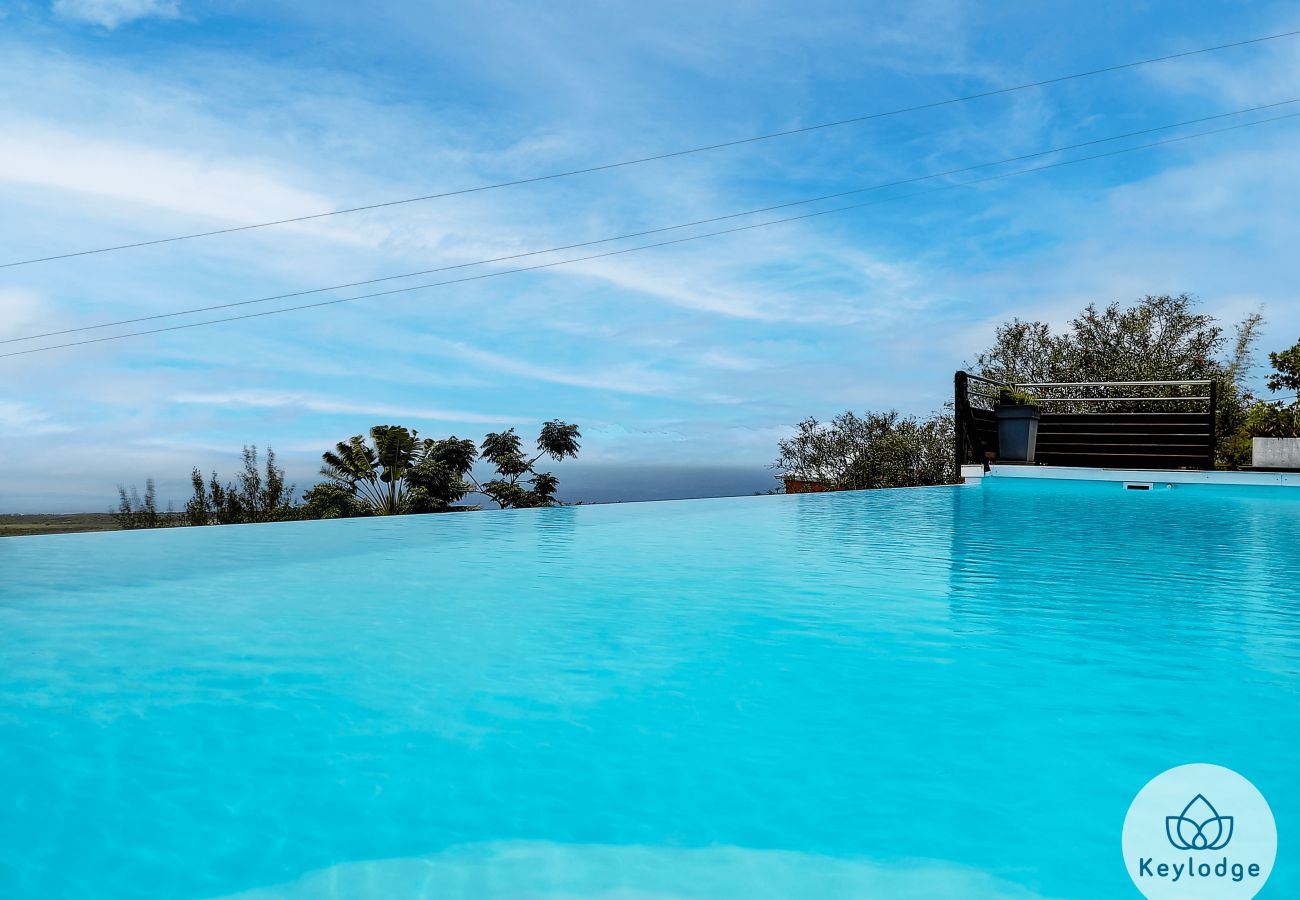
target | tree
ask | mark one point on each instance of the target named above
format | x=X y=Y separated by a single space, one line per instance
x=874 y=450
x=132 y=512
x=504 y=450
x=252 y=497
x=1286 y=369
x=396 y=473
x=332 y=500
x=1277 y=418
x=1158 y=338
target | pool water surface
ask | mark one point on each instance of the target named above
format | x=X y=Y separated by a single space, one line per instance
x=936 y=692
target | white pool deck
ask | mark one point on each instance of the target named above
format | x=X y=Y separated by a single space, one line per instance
x=974 y=474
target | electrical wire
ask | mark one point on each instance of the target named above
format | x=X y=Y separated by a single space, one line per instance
x=936 y=104
x=648 y=232
x=683 y=240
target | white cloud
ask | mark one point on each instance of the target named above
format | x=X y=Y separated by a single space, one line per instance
x=261 y=399
x=226 y=189
x=628 y=378
x=112 y=13
x=24 y=419
x=20 y=311
x=677 y=283
x=733 y=362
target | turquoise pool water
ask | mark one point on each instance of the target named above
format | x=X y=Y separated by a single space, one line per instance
x=942 y=692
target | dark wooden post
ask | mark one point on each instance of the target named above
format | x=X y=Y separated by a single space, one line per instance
x=959 y=411
x=1214 y=411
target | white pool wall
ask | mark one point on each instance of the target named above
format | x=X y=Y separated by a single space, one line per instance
x=975 y=474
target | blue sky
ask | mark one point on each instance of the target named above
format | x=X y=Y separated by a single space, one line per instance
x=124 y=120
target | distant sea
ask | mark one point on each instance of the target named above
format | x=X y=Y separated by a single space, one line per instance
x=623 y=483
x=579 y=483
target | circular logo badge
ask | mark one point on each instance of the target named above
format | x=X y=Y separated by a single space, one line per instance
x=1199 y=831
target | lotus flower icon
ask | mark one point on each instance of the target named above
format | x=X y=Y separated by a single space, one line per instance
x=1199 y=827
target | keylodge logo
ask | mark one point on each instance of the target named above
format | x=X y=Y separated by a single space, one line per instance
x=1199 y=827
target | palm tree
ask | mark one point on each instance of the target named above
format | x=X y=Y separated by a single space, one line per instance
x=395 y=473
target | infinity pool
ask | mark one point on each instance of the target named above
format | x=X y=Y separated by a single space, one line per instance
x=927 y=693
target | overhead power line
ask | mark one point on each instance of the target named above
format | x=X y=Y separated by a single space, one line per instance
x=661 y=156
x=682 y=240
x=650 y=231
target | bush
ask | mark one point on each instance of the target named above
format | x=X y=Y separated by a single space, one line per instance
x=875 y=450
x=252 y=497
x=1274 y=420
x=134 y=512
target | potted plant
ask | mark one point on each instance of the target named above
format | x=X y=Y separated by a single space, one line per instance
x=1017 y=413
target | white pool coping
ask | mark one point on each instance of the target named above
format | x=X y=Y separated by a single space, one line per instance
x=975 y=475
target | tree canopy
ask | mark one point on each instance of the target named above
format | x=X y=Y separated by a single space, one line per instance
x=517 y=483
x=1157 y=338
x=397 y=472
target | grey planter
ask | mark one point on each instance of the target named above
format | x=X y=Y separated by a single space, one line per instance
x=1275 y=453
x=1017 y=432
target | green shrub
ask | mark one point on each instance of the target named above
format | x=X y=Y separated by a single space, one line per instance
x=1014 y=396
x=1275 y=420
x=874 y=450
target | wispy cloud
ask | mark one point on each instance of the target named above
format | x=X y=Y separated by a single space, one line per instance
x=112 y=13
x=629 y=378
x=221 y=190
x=22 y=420
x=20 y=311
x=298 y=402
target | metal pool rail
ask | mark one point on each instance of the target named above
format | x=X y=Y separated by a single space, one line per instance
x=1106 y=424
